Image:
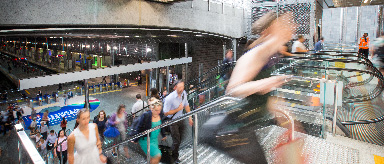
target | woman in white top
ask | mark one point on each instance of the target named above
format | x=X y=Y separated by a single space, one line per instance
x=85 y=139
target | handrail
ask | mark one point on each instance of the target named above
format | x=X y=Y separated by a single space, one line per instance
x=209 y=71
x=182 y=117
x=375 y=120
x=373 y=94
x=28 y=146
x=131 y=114
x=366 y=62
x=374 y=73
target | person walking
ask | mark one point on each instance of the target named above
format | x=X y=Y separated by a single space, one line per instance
x=364 y=45
x=298 y=45
x=85 y=139
x=139 y=108
x=61 y=152
x=42 y=147
x=319 y=45
x=33 y=113
x=45 y=118
x=149 y=120
x=51 y=139
x=44 y=130
x=119 y=121
x=101 y=120
x=174 y=104
x=63 y=124
x=33 y=125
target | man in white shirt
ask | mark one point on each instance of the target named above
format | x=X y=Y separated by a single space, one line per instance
x=140 y=104
x=51 y=139
x=298 y=45
x=174 y=104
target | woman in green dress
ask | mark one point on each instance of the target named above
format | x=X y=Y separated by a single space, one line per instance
x=150 y=120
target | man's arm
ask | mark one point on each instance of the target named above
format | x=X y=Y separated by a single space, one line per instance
x=187 y=108
x=298 y=49
x=167 y=108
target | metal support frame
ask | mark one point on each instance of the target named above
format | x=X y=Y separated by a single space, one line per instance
x=148 y=148
x=195 y=136
x=61 y=154
x=335 y=111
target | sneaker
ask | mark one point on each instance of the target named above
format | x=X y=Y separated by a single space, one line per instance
x=177 y=161
x=114 y=154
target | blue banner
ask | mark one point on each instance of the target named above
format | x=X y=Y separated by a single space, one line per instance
x=69 y=112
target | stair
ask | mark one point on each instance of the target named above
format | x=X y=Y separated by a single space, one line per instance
x=331 y=150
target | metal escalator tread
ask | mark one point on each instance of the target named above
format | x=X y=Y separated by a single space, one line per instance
x=316 y=150
x=208 y=154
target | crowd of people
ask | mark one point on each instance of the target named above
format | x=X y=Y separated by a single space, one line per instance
x=11 y=116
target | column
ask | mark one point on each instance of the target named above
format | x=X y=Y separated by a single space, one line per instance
x=167 y=80
x=186 y=64
x=234 y=45
x=86 y=95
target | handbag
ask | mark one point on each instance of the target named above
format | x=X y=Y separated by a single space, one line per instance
x=166 y=154
x=111 y=132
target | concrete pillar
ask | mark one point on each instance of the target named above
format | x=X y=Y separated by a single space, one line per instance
x=86 y=105
x=234 y=45
x=167 y=80
x=186 y=64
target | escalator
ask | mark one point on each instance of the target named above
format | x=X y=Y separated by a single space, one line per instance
x=225 y=131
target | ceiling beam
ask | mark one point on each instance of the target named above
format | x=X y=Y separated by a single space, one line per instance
x=76 y=76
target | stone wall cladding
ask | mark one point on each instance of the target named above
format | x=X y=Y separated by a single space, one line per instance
x=186 y=15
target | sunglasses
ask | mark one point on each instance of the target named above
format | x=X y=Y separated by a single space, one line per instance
x=157 y=103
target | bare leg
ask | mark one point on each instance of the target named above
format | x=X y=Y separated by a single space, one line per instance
x=155 y=160
x=126 y=152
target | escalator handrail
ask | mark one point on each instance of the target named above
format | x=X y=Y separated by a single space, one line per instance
x=346 y=69
x=375 y=73
x=341 y=60
x=375 y=120
x=170 y=122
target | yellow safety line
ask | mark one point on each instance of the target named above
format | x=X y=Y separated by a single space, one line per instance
x=359 y=77
x=378 y=159
x=105 y=92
